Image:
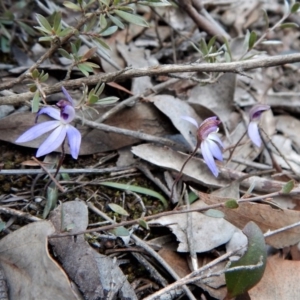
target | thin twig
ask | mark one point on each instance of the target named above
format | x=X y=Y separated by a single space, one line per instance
x=234 y=67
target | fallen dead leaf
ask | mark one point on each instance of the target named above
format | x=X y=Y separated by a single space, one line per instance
x=31 y=272
x=280 y=280
x=212 y=232
x=96 y=275
x=266 y=217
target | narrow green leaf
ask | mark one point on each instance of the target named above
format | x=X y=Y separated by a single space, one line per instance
x=83 y=70
x=65 y=31
x=92 y=99
x=228 y=54
x=288 y=187
x=295 y=7
x=45 y=39
x=116 y=21
x=44 y=77
x=43 y=22
x=72 y=6
x=155 y=3
x=144 y=224
x=266 y=18
x=137 y=189
x=203 y=47
x=109 y=31
x=232 y=203
x=240 y=281
x=27 y=28
x=252 y=40
x=52 y=196
x=118 y=209
x=289 y=25
x=120 y=231
x=57 y=22
x=102 y=44
x=107 y=100
x=2 y=225
x=211 y=43
x=214 y=213
x=130 y=18
x=64 y=53
x=103 y=22
x=35 y=104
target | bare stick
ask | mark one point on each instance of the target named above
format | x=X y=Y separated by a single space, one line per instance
x=234 y=67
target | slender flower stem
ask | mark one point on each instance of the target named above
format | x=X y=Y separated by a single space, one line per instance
x=183 y=166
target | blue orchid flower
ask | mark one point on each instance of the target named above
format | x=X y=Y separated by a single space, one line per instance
x=253 y=130
x=61 y=128
x=211 y=144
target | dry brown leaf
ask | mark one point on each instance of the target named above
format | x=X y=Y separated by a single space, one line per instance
x=197 y=171
x=215 y=285
x=280 y=281
x=266 y=217
x=30 y=271
x=96 y=275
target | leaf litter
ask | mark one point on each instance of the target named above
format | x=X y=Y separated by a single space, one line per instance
x=248 y=195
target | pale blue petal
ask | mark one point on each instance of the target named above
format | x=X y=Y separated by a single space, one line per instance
x=37 y=130
x=216 y=138
x=74 y=138
x=253 y=134
x=215 y=150
x=53 y=141
x=69 y=98
x=50 y=111
x=208 y=158
x=191 y=120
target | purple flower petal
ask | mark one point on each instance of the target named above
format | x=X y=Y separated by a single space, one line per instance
x=208 y=158
x=37 y=130
x=214 y=149
x=256 y=111
x=207 y=127
x=50 y=111
x=54 y=140
x=67 y=113
x=191 y=120
x=67 y=95
x=74 y=138
x=253 y=133
x=213 y=136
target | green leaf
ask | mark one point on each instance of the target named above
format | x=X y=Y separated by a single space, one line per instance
x=72 y=6
x=266 y=18
x=252 y=40
x=120 y=231
x=193 y=197
x=295 y=7
x=83 y=70
x=155 y=3
x=45 y=39
x=144 y=224
x=57 y=22
x=137 y=189
x=118 y=209
x=103 y=22
x=109 y=31
x=288 y=187
x=27 y=28
x=228 y=54
x=64 y=53
x=52 y=196
x=107 y=100
x=2 y=225
x=35 y=104
x=211 y=43
x=92 y=99
x=240 y=281
x=44 y=77
x=214 y=213
x=101 y=43
x=289 y=25
x=203 y=47
x=116 y=21
x=232 y=203
x=130 y=18
x=65 y=32
x=44 y=23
